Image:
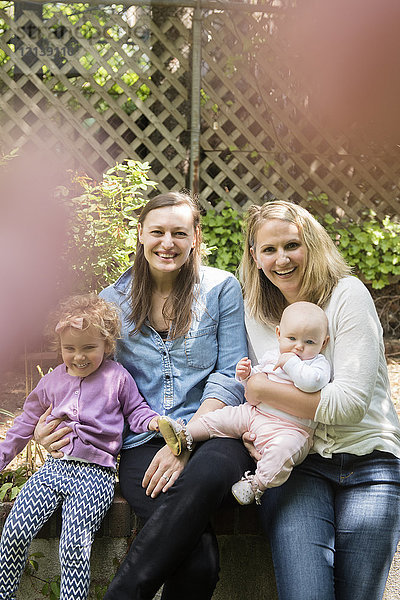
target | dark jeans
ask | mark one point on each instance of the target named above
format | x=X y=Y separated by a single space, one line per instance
x=334 y=527
x=176 y=546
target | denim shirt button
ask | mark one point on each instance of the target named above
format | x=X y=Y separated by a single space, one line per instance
x=168 y=377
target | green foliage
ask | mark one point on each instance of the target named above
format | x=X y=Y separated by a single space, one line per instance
x=102 y=229
x=222 y=233
x=11 y=482
x=101 y=36
x=372 y=247
x=49 y=589
x=32 y=565
x=94 y=26
x=6 y=158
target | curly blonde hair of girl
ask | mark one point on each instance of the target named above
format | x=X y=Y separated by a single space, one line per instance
x=94 y=311
x=324 y=265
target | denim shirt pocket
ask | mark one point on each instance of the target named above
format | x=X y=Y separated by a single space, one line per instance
x=201 y=347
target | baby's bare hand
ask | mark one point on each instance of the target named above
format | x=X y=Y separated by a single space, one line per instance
x=243 y=368
x=282 y=360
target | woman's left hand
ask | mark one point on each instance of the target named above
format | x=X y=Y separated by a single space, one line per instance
x=163 y=471
x=257 y=388
x=248 y=439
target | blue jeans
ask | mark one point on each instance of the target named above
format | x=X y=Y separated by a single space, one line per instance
x=334 y=527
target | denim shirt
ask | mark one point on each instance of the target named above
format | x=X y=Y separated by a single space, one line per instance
x=176 y=376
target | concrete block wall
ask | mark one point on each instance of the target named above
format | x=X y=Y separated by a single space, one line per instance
x=246 y=565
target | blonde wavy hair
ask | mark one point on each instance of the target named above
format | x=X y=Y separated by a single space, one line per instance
x=323 y=266
x=103 y=316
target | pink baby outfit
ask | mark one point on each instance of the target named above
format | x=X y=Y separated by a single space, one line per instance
x=283 y=440
x=282 y=443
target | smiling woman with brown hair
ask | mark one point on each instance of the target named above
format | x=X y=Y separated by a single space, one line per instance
x=334 y=524
x=177 y=322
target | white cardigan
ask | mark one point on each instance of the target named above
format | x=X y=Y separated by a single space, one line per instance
x=355 y=413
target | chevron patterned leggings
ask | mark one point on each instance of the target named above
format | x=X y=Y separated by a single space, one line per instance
x=85 y=491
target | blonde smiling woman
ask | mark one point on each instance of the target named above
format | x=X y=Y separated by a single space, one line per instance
x=334 y=525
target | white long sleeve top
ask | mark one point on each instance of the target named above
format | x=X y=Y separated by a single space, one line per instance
x=309 y=375
x=355 y=413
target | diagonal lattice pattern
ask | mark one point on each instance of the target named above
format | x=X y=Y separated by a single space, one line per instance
x=97 y=89
x=99 y=96
x=258 y=139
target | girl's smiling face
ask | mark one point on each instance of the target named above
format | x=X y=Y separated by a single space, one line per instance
x=280 y=252
x=168 y=236
x=82 y=351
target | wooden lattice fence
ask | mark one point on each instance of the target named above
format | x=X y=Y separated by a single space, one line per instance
x=94 y=99
x=260 y=141
x=107 y=84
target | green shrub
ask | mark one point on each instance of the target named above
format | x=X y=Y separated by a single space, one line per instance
x=222 y=234
x=102 y=228
x=11 y=482
x=372 y=247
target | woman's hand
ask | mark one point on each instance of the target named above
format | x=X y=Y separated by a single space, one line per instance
x=163 y=471
x=45 y=435
x=260 y=389
x=256 y=388
x=165 y=468
x=248 y=441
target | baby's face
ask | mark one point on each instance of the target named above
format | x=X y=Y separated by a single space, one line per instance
x=301 y=335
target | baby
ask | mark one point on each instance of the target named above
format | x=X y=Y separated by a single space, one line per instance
x=282 y=439
x=93 y=395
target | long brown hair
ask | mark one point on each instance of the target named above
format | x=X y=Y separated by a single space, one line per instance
x=178 y=306
x=323 y=266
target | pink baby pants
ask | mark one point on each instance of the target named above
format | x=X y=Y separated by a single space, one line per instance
x=282 y=443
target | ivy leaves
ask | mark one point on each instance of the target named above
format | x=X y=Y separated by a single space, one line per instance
x=222 y=233
x=372 y=246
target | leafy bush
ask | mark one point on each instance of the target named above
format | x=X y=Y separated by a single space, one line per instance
x=11 y=482
x=102 y=229
x=48 y=588
x=371 y=247
x=222 y=234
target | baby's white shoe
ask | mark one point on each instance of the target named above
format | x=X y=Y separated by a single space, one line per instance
x=246 y=490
